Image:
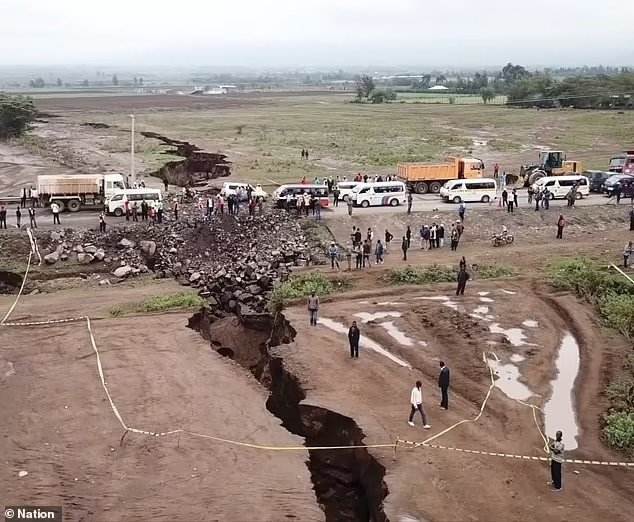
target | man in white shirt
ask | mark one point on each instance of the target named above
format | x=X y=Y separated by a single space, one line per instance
x=416 y=400
x=55 y=209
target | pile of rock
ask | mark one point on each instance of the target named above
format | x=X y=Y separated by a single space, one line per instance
x=68 y=248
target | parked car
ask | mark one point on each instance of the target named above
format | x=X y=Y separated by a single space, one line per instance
x=612 y=181
x=597 y=178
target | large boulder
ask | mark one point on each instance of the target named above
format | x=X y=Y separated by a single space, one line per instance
x=100 y=254
x=123 y=271
x=90 y=249
x=84 y=258
x=148 y=248
x=126 y=243
x=51 y=258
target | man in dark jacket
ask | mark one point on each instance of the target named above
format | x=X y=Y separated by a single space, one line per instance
x=632 y=219
x=463 y=277
x=353 y=338
x=443 y=384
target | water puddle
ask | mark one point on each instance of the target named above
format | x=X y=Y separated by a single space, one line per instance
x=508 y=380
x=486 y=300
x=364 y=342
x=435 y=298
x=514 y=335
x=366 y=317
x=390 y=303
x=397 y=334
x=559 y=411
x=484 y=293
x=517 y=358
x=510 y=292
x=530 y=323
x=482 y=310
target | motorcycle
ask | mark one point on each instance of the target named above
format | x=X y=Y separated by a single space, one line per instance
x=502 y=239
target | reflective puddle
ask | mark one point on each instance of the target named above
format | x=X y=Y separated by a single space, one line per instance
x=514 y=335
x=486 y=300
x=364 y=342
x=508 y=380
x=390 y=303
x=530 y=323
x=366 y=317
x=510 y=292
x=394 y=332
x=559 y=411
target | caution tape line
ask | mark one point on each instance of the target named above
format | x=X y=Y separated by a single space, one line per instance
x=50 y=321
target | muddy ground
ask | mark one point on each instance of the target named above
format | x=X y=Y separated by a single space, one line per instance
x=428 y=484
x=60 y=428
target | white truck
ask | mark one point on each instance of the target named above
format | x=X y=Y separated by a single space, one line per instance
x=81 y=191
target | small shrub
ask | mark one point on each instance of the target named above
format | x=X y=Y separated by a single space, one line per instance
x=161 y=303
x=442 y=274
x=618 y=312
x=621 y=395
x=494 y=271
x=303 y=286
x=619 y=430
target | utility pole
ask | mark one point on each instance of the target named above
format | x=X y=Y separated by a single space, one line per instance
x=132 y=173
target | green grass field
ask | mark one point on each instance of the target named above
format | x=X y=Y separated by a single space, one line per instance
x=264 y=139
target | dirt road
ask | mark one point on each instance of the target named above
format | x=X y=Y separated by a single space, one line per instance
x=61 y=430
x=420 y=328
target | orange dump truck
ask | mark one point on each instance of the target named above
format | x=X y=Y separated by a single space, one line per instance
x=424 y=177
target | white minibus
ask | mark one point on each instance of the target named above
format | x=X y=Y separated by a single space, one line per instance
x=469 y=190
x=116 y=204
x=382 y=193
x=559 y=186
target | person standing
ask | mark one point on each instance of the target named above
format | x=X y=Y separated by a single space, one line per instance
x=313 y=308
x=461 y=211
x=561 y=223
x=378 y=251
x=409 y=202
x=496 y=170
x=454 y=237
x=333 y=253
x=556 y=448
x=55 y=210
x=126 y=206
x=210 y=206
x=515 y=199
x=175 y=211
x=35 y=197
x=159 y=211
x=389 y=236
x=335 y=195
x=3 y=216
x=422 y=237
x=408 y=235
x=166 y=185
x=509 y=206
x=440 y=236
x=627 y=252
x=416 y=402
x=349 y=203
x=349 y=256
x=18 y=216
x=353 y=338
x=463 y=277
x=443 y=384
x=358 y=255
x=505 y=198
x=23 y=198
x=367 y=252
x=404 y=247
x=102 y=222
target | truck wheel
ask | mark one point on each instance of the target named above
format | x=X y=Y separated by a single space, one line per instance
x=421 y=187
x=394 y=203
x=74 y=205
x=457 y=199
x=485 y=199
x=60 y=204
x=118 y=212
x=434 y=188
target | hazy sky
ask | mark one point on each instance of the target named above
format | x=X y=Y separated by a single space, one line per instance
x=316 y=32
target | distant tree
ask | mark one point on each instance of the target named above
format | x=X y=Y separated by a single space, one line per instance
x=136 y=81
x=365 y=85
x=487 y=94
x=59 y=82
x=514 y=73
x=115 y=80
x=16 y=115
x=440 y=79
x=85 y=83
x=38 y=83
x=141 y=82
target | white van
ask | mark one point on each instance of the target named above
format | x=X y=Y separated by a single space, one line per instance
x=116 y=204
x=232 y=187
x=346 y=188
x=469 y=190
x=382 y=193
x=559 y=186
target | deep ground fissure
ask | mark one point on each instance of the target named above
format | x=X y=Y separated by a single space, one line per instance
x=348 y=484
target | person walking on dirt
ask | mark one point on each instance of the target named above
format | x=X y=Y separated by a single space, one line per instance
x=378 y=252
x=55 y=210
x=556 y=448
x=627 y=252
x=460 y=229
x=416 y=402
x=453 y=236
x=333 y=253
x=102 y=222
x=32 y=222
x=389 y=237
x=313 y=308
x=404 y=247
x=443 y=384
x=409 y=202
x=353 y=338
x=463 y=264
x=561 y=223
x=3 y=216
x=463 y=277
x=505 y=198
x=461 y=211
x=18 y=216
x=546 y=199
x=23 y=198
x=509 y=206
x=408 y=235
x=515 y=200
x=367 y=252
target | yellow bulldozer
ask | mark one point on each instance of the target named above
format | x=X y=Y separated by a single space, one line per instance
x=551 y=163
